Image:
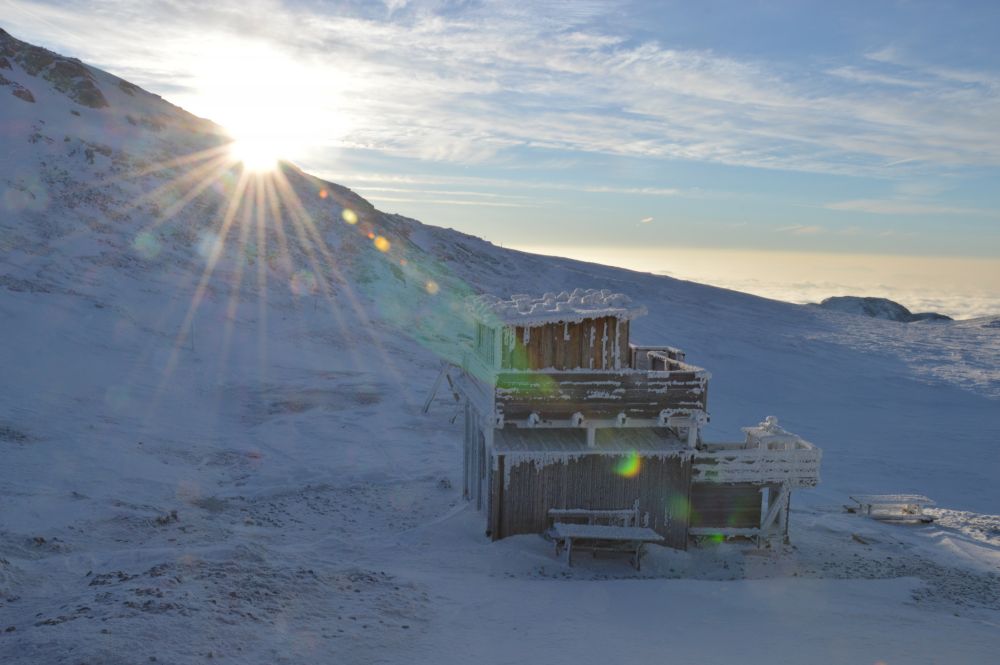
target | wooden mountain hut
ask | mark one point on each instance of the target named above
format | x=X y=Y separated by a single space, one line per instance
x=564 y=413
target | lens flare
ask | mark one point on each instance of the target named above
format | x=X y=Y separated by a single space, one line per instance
x=209 y=244
x=146 y=245
x=432 y=287
x=381 y=244
x=349 y=216
x=628 y=466
x=679 y=507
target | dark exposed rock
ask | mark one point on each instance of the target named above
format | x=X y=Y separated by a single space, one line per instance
x=930 y=316
x=17 y=89
x=128 y=88
x=8 y=433
x=67 y=75
x=23 y=93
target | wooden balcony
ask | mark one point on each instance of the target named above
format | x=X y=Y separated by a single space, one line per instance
x=623 y=394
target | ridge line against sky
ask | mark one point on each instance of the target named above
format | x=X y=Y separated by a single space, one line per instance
x=836 y=127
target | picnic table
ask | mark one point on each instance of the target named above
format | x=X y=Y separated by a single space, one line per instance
x=602 y=537
x=892 y=507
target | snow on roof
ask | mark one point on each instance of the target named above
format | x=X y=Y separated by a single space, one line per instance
x=564 y=307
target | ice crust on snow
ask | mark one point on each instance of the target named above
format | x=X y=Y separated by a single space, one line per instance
x=563 y=307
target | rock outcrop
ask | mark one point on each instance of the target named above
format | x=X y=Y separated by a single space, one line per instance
x=879 y=308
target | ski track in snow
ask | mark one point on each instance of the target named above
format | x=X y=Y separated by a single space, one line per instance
x=260 y=486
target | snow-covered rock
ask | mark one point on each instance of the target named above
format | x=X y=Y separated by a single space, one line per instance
x=878 y=308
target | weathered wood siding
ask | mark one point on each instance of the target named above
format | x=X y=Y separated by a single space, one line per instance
x=525 y=491
x=637 y=394
x=720 y=506
x=590 y=344
x=486 y=344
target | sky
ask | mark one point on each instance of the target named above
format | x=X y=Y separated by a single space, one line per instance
x=746 y=144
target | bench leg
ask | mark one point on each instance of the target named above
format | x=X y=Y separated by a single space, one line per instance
x=569 y=552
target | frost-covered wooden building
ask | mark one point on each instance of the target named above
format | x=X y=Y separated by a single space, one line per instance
x=564 y=411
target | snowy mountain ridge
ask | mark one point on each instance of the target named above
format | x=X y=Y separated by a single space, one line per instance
x=213 y=446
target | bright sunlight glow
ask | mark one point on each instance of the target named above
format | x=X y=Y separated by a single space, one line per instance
x=257 y=155
x=275 y=107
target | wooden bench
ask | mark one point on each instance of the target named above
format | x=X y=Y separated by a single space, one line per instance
x=602 y=537
x=620 y=517
x=892 y=507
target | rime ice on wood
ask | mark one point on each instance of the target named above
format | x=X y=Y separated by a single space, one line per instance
x=563 y=307
x=563 y=411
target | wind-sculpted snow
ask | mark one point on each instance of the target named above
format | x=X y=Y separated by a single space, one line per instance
x=213 y=445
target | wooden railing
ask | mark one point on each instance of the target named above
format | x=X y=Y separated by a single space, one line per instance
x=636 y=394
x=797 y=465
x=657 y=358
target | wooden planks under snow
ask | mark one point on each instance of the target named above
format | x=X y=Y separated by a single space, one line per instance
x=798 y=466
x=599 y=395
x=603 y=537
x=893 y=507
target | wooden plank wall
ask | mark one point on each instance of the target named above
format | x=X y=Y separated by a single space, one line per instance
x=598 y=395
x=567 y=345
x=725 y=505
x=485 y=338
x=590 y=482
x=475 y=458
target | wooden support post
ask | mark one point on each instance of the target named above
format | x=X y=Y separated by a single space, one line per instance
x=496 y=500
x=466 y=445
x=692 y=438
x=437 y=384
x=784 y=513
x=778 y=502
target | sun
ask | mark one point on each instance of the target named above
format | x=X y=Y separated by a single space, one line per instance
x=275 y=105
x=257 y=154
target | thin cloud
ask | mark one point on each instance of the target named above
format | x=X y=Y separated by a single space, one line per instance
x=801 y=230
x=902 y=207
x=470 y=84
x=450 y=202
x=386 y=181
x=866 y=76
x=646 y=220
x=643 y=191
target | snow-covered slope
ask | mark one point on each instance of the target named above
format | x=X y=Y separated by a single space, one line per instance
x=212 y=442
